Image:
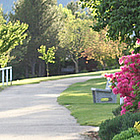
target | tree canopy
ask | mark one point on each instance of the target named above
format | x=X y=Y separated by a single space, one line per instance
x=72 y=36
x=42 y=16
x=104 y=51
x=122 y=18
x=66 y=28
x=47 y=57
x=11 y=34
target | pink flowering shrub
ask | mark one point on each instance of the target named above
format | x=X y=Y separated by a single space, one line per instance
x=128 y=82
x=138 y=41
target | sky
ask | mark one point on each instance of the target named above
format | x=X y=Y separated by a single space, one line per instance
x=7 y=4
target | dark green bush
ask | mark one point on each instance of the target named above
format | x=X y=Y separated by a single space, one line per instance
x=111 y=127
x=125 y=135
x=117 y=111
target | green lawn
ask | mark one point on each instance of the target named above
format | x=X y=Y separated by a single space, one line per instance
x=78 y=99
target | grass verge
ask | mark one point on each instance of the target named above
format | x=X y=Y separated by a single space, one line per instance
x=40 y=79
x=78 y=99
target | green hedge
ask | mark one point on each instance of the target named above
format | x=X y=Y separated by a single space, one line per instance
x=127 y=134
x=117 y=111
x=111 y=127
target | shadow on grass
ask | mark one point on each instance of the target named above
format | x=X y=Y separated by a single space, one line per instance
x=78 y=99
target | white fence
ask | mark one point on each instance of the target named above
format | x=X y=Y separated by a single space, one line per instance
x=6 y=69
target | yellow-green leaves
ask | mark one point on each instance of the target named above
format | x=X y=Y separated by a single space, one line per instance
x=137 y=126
x=5 y=58
x=49 y=56
x=12 y=35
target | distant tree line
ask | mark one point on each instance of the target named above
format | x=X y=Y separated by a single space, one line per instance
x=67 y=30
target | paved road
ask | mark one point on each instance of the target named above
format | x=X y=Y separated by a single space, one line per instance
x=31 y=112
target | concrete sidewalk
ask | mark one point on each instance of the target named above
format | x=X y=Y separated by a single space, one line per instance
x=31 y=112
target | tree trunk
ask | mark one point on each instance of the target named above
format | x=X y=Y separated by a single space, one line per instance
x=104 y=65
x=59 y=68
x=43 y=72
x=26 y=72
x=33 y=67
x=76 y=65
x=47 y=69
x=40 y=69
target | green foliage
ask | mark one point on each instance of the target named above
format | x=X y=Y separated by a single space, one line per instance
x=47 y=57
x=5 y=58
x=73 y=36
x=125 y=135
x=117 y=111
x=111 y=127
x=137 y=126
x=73 y=6
x=105 y=51
x=11 y=34
x=44 y=21
x=135 y=138
x=120 y=17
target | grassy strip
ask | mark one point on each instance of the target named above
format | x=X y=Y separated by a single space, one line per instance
x=78 y=99
x=40 y=79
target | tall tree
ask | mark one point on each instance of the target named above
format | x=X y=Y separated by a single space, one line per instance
x=120 y=17
x=76 y=10
x=73 y=6
x=103 y=50
x=73 y=35
x=42 y=17
x=11 y=35
x=78 y=38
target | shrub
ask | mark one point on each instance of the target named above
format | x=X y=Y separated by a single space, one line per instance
x=135 y=138
x=125 y=135
x=111 y=127
x=117 y=111
x=128 y=81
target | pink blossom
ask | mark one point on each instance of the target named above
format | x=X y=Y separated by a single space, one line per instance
x=138 y=84
x=115 y=91
x=132 y=52
x=129 y=103
x=109 y=76
x=138 y=105
x=120 y=61
x=138 y=41
x=128 y=80
x=123 y=111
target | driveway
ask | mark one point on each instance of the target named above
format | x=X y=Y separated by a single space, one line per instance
x=31 y=112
